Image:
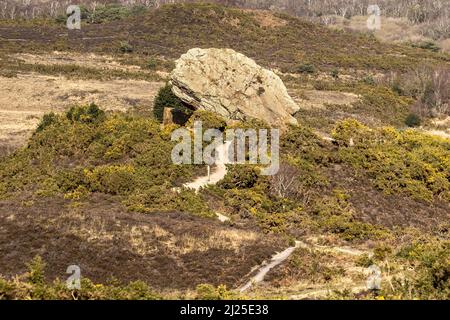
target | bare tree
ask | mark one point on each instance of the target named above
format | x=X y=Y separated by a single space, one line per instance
x=441 y=90
x=12 y=13
x=287 y=184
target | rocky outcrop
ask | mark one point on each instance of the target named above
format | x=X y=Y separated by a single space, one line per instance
x=232 y=85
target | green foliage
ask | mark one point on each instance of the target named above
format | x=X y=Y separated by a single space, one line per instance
x=413 y=120
x=209 y=292
x=313 y=266
x=240 y=177
x=166 y=99
x=35 y=287
x=112 y=179
x=87 y=151
x=334 y=214
x=398 y=161
x=369 y=80
x=429 y=258
x=250 y=123
x=36 y=271
x=152 y=64
x=335 y=73
x=351 y=130
x=306 y=68
x=126 y=47
x=365 y=261
x=210 y=120
x=427 y=45
x=382 y=103
x=47 y=120
x=87 y=114
x=159 y=199
x=301 y=141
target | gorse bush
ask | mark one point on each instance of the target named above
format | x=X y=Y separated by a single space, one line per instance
x=33 y=285
x=240 y=177
x=112 y=179
x=36 y=271
x=90 y=113
x=398 y=161
x=86 y=151
x=209 y=292
x=209 y=120
x=47 y=120
x=429 y=258
x=306 y=68
x=157 y=199
x=334 y=214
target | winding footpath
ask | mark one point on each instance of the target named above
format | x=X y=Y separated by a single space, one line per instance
x=280 y=257
x=220 y=170
x=266 y=267
x=219 y=173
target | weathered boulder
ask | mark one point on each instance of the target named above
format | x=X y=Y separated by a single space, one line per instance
x=232 y=85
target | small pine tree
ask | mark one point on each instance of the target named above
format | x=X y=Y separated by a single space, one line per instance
x=36 y=271
x=166 y=99
x=413 y=120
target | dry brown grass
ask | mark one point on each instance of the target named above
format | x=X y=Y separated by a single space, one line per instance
x=72 y=58
x=315 y=99
x=170 y=251
x=267 y=19
x=395 y=30
x=27 y=97
x=186 y=243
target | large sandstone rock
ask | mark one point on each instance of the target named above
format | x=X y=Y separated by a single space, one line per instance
x=233 y=85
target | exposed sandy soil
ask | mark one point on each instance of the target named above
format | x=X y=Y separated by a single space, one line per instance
x=439 y=133
x=167 y=250
x=90 y=60
x=319 y=99
x=312 y=272
x=276 y=260
x=217 y=174
x=440 y=127
x=395 y=30
x=25 y=98
x=267 y=19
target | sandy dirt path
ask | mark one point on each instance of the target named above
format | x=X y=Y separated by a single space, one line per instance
x=219 y=172
x=280 y=257
x=277 y=259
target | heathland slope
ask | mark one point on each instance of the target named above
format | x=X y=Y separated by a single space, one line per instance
x=97 y=188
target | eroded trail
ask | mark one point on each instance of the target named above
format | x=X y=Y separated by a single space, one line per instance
x=280 y=257
x=219 y=172
x=277 y=259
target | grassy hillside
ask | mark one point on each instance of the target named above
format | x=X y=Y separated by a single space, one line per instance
x=98 y=187
x=95 y=169
x=280 y=41
x=309 y=56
